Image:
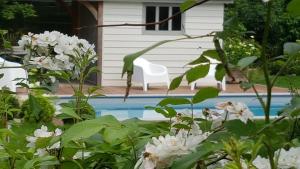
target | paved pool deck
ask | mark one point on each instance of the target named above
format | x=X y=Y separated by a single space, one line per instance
x=65 y=89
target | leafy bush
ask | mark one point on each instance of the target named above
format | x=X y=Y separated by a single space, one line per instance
x=238 y=48
x=38 y=109
x=9 y=104
x=293 y=69
x=86 y=112
x=250 y=14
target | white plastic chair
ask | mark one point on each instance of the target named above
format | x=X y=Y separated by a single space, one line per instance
x=10 y=74
x=209 y=79
x=146 y=72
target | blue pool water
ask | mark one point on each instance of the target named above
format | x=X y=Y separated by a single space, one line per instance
x=134 y=107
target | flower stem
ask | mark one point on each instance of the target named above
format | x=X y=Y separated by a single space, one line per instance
x=265 y=62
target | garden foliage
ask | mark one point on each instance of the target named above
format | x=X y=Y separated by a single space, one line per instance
x=227 y=137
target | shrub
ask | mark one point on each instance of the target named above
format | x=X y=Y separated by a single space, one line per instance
x=237 y=48
x=38 y=109
x=9 y=101
x=292 y=69
x=87 y=111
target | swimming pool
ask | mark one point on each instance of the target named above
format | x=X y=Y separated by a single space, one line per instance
x=134 y=107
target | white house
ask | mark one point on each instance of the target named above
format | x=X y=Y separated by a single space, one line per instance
x=120 y=41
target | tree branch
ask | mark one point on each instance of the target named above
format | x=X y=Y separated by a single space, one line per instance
x=145 y=24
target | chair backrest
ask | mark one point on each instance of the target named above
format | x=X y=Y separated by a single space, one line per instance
x=212 y=69
x=141 y=62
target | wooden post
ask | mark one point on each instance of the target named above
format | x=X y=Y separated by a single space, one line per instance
x=99 y=41
x=75 y=18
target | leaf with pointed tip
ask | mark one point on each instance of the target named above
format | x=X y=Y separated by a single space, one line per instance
x=176 y=82
x=197 y=72
x=128 y=59
x=205 y=93
x=88 y=128
x=199 y=60
x=211 y=54
x=174 y=101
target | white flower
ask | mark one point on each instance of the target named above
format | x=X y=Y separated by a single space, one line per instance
x=47 y=39
x=265 y=1
x=261 y=163
x=163 y=150
x=57 y=132
x=236 y=110
x=80 y=155
x=43 y=133
x=289 y=159
x=41 y=152
x=40 y=47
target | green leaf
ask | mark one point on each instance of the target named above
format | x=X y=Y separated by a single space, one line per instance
x=182 y=126
x=205 y=93
x=211 y=54
x=70 y=112
x=187 y=4
x=188 y=161
x=115 y=134
x=174 y=101
x=294 y=7
x=42 y=142
x=176 y=82
x=3 y=155
x=35 y=107
x=239 y=128
x=128 y=59
x=41 y=161
x=199 y=60
x=162 y=111
x=171 y=111
x=220 y=72
x=197 y=72
x=88 y=128
x=246 y=61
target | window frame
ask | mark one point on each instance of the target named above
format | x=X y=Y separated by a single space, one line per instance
x=163 y=32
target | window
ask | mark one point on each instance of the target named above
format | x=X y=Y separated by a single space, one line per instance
x=156 y=13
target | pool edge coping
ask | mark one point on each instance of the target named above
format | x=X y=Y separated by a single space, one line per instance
x=174 y=95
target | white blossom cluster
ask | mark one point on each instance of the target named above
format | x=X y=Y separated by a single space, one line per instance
x=54 y=50
x=43 y=133
x=161 y=151
x=229 y=111
x=286 y=159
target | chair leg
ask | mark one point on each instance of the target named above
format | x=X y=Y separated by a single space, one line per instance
x=145 y=87
x=168 y=84
x=193 y=85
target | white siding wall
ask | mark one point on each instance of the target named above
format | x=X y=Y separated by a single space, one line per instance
x=120 y=41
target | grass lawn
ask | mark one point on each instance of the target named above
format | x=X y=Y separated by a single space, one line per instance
x=282 y=81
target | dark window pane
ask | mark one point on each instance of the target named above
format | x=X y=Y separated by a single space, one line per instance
x=176 y=22
x=150 y=17
x=163 y=14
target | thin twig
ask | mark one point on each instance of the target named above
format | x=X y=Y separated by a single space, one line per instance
x=145 y=24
